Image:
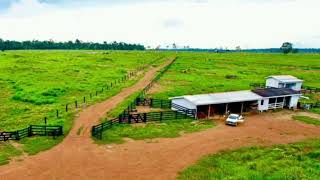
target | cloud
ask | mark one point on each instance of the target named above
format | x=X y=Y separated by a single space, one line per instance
x=173 y=23
x=199 y=23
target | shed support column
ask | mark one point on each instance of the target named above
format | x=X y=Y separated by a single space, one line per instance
x=276 y=103
x=209 y=111
x=241 y=108
x=226 y=109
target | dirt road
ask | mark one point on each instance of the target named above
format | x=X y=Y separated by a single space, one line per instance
x=77 y=157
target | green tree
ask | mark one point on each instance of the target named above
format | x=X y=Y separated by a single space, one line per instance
x=286 y=47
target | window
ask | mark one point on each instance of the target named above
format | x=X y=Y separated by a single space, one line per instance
x=262 y=102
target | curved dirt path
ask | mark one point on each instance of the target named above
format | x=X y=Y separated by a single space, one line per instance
x=77 y=157
x=76 y=151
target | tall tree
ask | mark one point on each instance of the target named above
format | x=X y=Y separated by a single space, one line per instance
x=286 y=47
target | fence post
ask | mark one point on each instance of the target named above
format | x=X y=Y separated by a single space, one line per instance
x=76 y=104
x=84 y=99
x=176 y=114
x=17 y=135
x=96 y=93
x=66 y=107
x=57 y=113
x=161 y=114
x=45 y=126
x=151 y=102
x=30 y=131
x=120 y=118
x=90 y=95
x=185 y=115
x=144 y=117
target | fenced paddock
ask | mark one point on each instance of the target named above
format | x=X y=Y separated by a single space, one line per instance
x=153 y=103
x=32 y=130
x=129 y=118
x=129 y=115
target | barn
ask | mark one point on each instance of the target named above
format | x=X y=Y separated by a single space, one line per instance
x=283 y=94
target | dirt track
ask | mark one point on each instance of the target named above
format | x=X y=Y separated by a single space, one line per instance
x=77 y=157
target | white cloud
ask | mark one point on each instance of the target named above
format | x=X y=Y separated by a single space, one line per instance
x=199 y=23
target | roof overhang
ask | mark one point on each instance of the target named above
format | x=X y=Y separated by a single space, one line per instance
x=221 y=98
x=285 y=78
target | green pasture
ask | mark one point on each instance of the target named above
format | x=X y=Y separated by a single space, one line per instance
x=34 y=84
x=163 y=129
x=196 y=73
x=307 y=120
x=292 y=161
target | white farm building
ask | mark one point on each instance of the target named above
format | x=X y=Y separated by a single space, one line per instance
x=280 y=92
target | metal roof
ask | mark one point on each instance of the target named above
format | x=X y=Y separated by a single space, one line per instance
x=285 y=78
x=221 y=98
x=275 y=92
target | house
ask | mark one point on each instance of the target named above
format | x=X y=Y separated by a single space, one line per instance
x=277 y=98
x=281 y=92
x=284 y=81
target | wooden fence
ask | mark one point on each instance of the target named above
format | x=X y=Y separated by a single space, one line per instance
x=129 y=115
x=309 y=89
x=257 y=85
x=309 y=105
x=32 y=130
x=154 y=103
x=129 y=118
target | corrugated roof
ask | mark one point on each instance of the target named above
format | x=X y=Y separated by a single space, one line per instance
x=220 y=98
x=286 y=78
x=274 y=92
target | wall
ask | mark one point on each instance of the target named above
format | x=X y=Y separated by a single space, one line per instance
x=185 y=103
x=271 y=82
x=294 y=101
x=298 y=86
x=263 y=107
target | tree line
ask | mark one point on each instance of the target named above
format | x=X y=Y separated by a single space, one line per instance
x=77 y=44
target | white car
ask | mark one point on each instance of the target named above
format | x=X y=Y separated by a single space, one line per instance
x=234 y=119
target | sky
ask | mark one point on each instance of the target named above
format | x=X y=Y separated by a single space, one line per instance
x=194 y=23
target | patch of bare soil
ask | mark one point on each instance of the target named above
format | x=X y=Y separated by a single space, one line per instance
x=77 y=157
x=155 y=89
x=146 y=109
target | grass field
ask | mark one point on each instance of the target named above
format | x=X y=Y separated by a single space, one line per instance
x=34 y=84
x=308 y=120
x=293 y=161
x=164 y=129
x=7 y=151
x=196 y=73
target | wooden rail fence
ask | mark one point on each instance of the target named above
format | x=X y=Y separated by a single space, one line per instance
x=32 y=130
x=129 y=115
x=129 y=118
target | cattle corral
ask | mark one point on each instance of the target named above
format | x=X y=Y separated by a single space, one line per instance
x=182 y=77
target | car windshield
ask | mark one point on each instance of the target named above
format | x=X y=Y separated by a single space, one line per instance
x=233 y=117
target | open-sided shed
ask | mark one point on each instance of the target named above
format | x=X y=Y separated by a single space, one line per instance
x=207 y=105
x=217 y=103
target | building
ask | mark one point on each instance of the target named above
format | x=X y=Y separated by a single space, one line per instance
x=284 y=81
x=280 y=92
